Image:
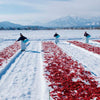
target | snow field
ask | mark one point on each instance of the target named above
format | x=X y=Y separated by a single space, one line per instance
x=89 y=60
x=86 y=46
x=23 y=77
x=8 y=52
x=68 y=79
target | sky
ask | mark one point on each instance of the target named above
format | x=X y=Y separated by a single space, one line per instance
x=31 y=12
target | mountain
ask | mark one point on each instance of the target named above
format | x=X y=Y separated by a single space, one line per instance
x=11 y=26
x=73 y=21
x=65 y=22
x=6 y=24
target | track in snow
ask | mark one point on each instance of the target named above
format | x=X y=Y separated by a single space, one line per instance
x=24 y=79
x=90 y=61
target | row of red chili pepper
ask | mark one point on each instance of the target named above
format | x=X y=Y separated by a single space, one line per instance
x=67 y=78
x=86 y=46
x=97 y=40
x=8 y=52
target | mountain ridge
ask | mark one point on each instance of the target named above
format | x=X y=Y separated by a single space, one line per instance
x=7 y=24
x=74 y=21
x=64 y=22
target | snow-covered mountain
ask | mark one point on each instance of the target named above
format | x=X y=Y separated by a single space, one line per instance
x=6 y=24
x=73 y=21
x=11 y=26
x=65 y=22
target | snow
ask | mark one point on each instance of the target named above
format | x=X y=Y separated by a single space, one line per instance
x=89 y=60
x=24 y=80
x=22 y=77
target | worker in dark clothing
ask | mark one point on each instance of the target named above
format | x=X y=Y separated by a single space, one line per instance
x=56 y=37
x=23 y=40
x=87 y=37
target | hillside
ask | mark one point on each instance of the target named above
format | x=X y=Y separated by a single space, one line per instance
x=69 y=21
x=65 y=22
x=6 y=24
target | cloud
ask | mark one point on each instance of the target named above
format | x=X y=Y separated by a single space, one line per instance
x=24 y=19
x=30 y=11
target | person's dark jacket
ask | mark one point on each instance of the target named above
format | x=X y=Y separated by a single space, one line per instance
x=22 y=38
x=86 y=34
x=55 y=34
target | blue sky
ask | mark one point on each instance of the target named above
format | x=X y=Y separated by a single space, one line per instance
x=30 y=12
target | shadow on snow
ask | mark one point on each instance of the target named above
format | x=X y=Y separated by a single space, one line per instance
x=32 y=51
x=9 y=64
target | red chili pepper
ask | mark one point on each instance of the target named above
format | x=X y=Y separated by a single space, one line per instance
x=86 y=46
x=8 y=52
x=67 y=77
